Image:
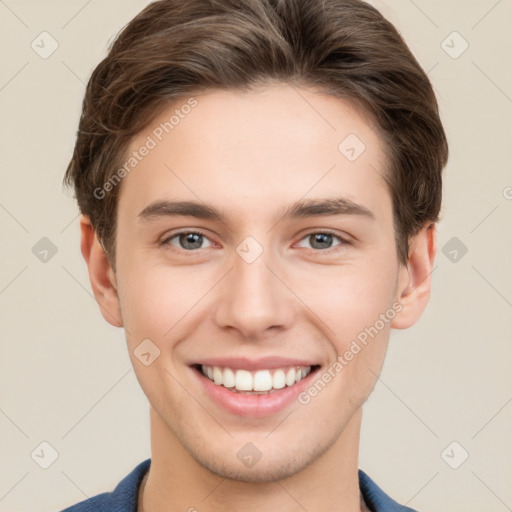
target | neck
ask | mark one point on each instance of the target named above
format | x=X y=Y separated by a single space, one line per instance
x=176 y=481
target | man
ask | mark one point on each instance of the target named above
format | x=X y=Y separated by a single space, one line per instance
x=259 y=183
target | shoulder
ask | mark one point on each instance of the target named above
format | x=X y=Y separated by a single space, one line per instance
x=122 y=499
x=98 y=503
x=376 y=499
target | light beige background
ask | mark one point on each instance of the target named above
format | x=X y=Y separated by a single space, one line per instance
x=65 y=376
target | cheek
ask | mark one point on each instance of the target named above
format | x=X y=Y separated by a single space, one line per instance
x=355 y=304
x=364 y=327
x=348 y=298
x=155 y=299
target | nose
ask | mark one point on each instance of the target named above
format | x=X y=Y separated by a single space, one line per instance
x=254 y=298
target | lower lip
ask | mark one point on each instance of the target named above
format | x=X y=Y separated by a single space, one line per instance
x=254 y=406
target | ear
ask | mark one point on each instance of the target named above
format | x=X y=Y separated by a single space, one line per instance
x=414 y=280
x=101 y=275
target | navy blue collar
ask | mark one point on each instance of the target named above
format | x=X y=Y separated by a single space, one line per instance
x=124 y=496
x=376 y=499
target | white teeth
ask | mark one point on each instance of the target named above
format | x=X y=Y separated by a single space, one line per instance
x=260 y=381
x=228 y=378
x=217 y=375
x=278 y=380
x=243 y=380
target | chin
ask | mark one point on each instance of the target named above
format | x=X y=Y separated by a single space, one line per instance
x=271 y=467
x=262 y=472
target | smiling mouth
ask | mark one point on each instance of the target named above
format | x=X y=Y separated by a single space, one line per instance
x=260 y=382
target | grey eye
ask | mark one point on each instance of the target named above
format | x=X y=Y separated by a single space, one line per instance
x=320 y=240
x=188 y=240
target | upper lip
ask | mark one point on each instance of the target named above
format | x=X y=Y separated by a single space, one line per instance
x=263 y=363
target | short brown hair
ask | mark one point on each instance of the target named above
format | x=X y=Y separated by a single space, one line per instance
x=344 y=48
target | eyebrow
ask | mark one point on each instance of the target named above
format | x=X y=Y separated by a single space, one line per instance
x=300 y=209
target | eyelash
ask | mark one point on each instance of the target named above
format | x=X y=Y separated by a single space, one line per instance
x=343 y=241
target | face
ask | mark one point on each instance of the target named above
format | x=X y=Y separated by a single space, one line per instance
x=253 y=247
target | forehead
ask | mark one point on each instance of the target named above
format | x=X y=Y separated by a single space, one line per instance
x=254 y=150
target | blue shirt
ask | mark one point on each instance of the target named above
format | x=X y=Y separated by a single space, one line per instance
x=124 y=497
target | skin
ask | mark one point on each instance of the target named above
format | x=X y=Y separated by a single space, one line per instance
x=250 y=155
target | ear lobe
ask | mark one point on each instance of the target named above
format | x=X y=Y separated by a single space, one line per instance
x=101 y=275
x=414 y=297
